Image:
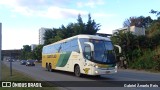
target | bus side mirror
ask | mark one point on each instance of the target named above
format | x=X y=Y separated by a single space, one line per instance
x=90 y=44
x=119 y=48
x=88 y=50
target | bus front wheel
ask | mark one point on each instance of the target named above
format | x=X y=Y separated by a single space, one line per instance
x=77 y=71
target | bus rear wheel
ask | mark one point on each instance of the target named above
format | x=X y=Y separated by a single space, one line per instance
x=47 y=67
x=77 y=71
x=50 y=68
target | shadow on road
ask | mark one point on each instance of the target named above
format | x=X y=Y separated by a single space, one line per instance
x=99 y=78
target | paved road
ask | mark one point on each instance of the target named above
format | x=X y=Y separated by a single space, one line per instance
x=41 y=74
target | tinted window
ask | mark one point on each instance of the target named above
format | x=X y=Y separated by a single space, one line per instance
x=109 y=45
x=65 y=47
x=68 y=46
x=74 y=45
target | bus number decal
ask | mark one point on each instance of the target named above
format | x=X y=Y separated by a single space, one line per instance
x=51 y=56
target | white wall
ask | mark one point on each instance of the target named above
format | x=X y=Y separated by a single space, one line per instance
x=41 y=35
x=135 y=30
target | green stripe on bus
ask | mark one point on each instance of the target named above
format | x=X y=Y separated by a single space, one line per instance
x=63 y=59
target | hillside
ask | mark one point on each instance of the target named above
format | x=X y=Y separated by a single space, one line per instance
x=150 y=58
x=141 y=52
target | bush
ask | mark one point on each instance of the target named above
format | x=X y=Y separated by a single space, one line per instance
x=144 y=62
x=156 y=59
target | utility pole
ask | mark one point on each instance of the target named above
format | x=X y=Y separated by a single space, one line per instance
x=0 y=51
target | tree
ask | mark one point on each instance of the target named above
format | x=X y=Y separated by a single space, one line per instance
x=128 y=43
x=92 y=27
x=71 y=29
x=37 y=52
x=26 y=52
x=48 y=35
x=155 y=12
x=79 y=27
x=27 y=48
x=140 y=21
x=142 y=52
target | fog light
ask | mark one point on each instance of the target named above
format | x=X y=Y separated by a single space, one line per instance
x=96 y=71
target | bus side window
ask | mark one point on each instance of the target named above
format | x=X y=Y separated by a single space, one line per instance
x=66 y=46
x=56 y=48
x=74 y=45
x=44 y=50
x=63 y=46
x=53 y=49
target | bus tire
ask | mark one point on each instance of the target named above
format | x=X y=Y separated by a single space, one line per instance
x=77 y=71
x=50 y=68
x=47 y=67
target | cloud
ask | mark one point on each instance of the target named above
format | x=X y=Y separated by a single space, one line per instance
x=104 y=15
x=90 y=3
x=54 y=9
x=34 y=4
x=57 y=13
x=11 y=38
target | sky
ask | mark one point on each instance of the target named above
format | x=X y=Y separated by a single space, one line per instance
x=21 y=19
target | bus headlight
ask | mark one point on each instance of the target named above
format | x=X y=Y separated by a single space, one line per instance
x=116 y=67
x=95 y=66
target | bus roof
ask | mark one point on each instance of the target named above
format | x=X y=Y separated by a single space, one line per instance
x=93 y=37
x=83 y=36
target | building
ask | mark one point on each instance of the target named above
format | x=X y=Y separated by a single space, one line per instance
x=33 y=46
x=11 y=54
x=41 y=35
x=135 y=30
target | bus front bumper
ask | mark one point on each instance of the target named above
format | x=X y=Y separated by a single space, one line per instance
x=101 y=71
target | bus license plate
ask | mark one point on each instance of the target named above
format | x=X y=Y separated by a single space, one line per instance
x=107 y=71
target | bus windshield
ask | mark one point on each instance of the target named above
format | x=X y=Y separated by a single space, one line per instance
x=103 y=51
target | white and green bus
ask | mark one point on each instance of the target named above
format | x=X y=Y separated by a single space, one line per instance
x=81 y=54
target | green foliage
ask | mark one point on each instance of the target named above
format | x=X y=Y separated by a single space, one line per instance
x=57 y=34
x=157 y=63
x=155 y=12
x=26 y=52
x=144 y=62
x=127 y=41
x=72 y=29
x=37 y=52
x=138 y=22
x=48 y=35
x=141 y=52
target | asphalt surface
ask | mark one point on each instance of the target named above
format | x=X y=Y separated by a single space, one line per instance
x=40 y=74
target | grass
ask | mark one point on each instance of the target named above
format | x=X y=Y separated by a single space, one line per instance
x=17 y=76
